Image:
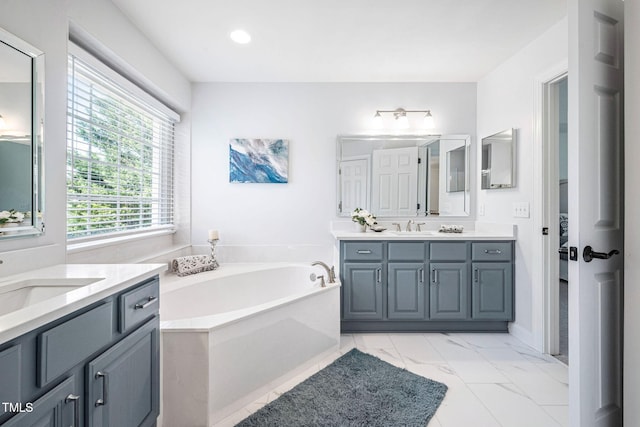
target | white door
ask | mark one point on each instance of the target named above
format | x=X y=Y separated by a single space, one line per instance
x=394 y=182
x=595 y=171
x=355 y=184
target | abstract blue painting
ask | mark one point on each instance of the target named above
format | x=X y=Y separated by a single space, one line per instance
x=259 y=160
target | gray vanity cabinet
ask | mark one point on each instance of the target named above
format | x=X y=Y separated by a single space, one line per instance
x=123 y=385
x=449 y=291
x=426 y=285
x=362 y=292
x=492 y=291
x=362 y=275
x=57 y=408
x=406 y=300
x=492 y=286
x=97 y=366
x=407 y=266
x=449 y=280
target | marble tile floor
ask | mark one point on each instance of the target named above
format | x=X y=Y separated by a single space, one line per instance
x=494 y=380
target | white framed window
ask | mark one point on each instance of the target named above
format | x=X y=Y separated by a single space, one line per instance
x=120 y=148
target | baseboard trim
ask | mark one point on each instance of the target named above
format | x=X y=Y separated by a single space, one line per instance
x=523 y=335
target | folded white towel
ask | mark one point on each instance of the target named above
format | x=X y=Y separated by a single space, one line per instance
x=193 y=264
x=451 y=228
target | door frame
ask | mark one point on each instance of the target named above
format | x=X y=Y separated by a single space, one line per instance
x=545 y=202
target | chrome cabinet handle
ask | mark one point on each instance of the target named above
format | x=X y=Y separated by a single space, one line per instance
x=105 y=388
x=422 y=275
x=493 y=251
x=434 y=276
x=475 y=275
x=379 y=275
x=76 y=408
x=363 y=251
x=150 y=300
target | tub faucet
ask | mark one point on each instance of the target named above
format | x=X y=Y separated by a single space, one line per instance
x=331 y=273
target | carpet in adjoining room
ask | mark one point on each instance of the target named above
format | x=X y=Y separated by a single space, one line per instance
x=355 y=390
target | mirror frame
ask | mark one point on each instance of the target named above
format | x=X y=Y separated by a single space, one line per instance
x=408 y=137
x=37 y=135
x=512 y=158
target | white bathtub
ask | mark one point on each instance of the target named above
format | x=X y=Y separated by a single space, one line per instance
x=231 y=335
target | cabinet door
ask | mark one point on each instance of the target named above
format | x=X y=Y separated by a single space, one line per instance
x=58 y=408
x=405 y=289
x=449 y=291
x=492 y=291
x=362 y=291
x=123 y=382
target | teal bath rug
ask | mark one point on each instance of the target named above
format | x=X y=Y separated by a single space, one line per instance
x=356 y=390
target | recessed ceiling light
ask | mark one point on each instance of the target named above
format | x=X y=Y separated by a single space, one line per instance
x=240 y=36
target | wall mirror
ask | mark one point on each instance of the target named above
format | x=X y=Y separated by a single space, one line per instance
x=498 y=160
x=404 y=175
x=21 y=137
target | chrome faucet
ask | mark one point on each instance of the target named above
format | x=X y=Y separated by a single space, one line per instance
x=418 y=224
x=331 y=273
x=397 y=226
x=409 y=225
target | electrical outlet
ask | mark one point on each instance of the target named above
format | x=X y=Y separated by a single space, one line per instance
x=481 y=209
x=521 y=210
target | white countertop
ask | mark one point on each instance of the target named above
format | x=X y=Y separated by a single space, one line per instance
x=472 y=230
x=431 y=235
x=106 y=279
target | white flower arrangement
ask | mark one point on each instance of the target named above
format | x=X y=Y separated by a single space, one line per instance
x=11 y=215
x=363 y=217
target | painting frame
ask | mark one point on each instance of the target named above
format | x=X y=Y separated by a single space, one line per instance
x=259 y=161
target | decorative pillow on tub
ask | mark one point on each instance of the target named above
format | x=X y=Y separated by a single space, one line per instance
x=193 y=264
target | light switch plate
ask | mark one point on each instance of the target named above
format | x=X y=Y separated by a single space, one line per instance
x=521 y=210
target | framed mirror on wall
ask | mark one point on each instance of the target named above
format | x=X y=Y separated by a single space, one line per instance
x=404 y=175
x=498 y=160
x=21 y=138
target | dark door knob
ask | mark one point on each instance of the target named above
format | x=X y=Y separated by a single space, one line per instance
x=588 y=254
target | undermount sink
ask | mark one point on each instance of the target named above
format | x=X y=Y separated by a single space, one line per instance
x=17 y=295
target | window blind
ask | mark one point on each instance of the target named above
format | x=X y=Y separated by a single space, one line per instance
x=120 y=152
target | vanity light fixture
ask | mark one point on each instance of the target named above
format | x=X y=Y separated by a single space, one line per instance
x=402 y=121
x=240 y=36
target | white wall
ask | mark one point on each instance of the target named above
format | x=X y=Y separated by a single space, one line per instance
x=632 y=213
x=291 y=221
x=506 y=100
x=44 y=24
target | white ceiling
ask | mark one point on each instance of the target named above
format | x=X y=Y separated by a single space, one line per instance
x=341 y=40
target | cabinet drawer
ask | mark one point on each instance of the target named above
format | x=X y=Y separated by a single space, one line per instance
x=139 y=304
x=64 y=346
x=491 y=251
x=363 y=251
x=407 y=251
x=448 y=251
x=10 y=375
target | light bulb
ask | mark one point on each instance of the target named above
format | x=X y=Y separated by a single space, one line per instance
x=428 y=121
x=240 y=36
x=377 y=120
x=402 y=121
